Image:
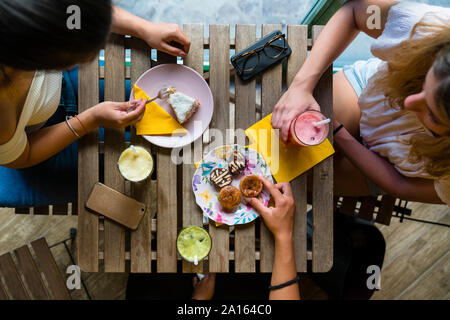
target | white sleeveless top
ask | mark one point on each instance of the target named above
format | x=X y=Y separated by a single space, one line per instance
x=41 y=103
x=384 y=129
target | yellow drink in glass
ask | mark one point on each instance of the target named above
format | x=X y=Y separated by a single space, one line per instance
x=135 y=164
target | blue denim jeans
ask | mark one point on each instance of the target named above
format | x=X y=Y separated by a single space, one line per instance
x=53 y=181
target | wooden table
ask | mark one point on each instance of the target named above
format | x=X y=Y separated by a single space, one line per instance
x=169 y=197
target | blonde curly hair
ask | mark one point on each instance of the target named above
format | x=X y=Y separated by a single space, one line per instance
x=405 y=76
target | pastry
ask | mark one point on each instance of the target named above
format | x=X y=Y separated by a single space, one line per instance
x=236 y=163
x=230 y=198
x=220 y=177
x=183 y=106
x=251 y=186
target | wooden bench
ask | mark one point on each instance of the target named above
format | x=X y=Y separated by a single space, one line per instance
x=60 y=210
x=383 y=207
x=24 y=276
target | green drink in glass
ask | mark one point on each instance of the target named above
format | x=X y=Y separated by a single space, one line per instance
x=193 y=244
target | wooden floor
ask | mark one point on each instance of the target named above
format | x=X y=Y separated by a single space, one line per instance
x=416 y=265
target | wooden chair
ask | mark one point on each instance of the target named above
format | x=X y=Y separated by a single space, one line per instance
x=384 y=207
x=60 y=210
x=22 y=276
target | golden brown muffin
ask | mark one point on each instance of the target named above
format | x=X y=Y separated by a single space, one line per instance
x=251 y=186
x=230 y=198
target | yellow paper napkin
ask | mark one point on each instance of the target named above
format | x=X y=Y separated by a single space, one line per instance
x=291 y=161
x=156 y=120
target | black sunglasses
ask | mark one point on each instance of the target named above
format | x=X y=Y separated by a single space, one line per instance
x=273 y=48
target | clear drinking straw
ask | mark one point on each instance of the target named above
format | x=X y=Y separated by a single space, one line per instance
x=319 y=123
x=133 y=149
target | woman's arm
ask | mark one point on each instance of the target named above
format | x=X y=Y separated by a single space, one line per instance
x=284 y=270
x=280 y=221
x=48 y=141
x=383 y=173
x=338 y=33
x=157 y=35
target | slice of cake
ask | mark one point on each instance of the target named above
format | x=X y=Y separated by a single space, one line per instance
x=183 y=106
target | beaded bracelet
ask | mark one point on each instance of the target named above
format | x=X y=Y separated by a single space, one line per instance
x=279 y=286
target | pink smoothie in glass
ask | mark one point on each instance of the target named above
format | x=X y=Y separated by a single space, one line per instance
x=305 y=133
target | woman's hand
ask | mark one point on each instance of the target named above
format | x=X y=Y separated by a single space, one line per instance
x=157 y=35
x=161 y=36
x=291 y=104
x=204 y=289
x=118 y=114
x=279 y=219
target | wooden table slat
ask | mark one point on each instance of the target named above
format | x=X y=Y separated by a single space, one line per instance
x=31 y=273
x=219 y=82
x=297 y=37
x=167 y=212
x=47 y=264
x=12 y=278
x=114 y=145
x=88 y=171
x=145 y=191
x=3 y=295
x=245 y=116
x=271 y=91
x=191 y=212
x=322 y=244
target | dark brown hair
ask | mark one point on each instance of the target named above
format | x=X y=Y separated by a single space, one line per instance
x=34 y=34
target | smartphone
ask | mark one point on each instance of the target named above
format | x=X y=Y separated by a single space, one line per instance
x=116 y=206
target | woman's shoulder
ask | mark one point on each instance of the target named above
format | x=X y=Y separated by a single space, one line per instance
x=402 y=18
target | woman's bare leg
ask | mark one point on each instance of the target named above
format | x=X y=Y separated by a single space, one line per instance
x=345 y=104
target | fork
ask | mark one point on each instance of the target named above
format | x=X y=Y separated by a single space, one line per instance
x=163 y=94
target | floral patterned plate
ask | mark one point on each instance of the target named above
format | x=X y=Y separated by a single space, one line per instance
x=206 y=195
